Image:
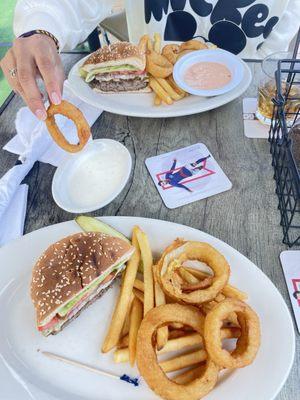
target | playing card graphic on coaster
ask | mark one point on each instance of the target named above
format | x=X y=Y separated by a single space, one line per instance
x=253 y=128
x=186 y=175
x=290 y=261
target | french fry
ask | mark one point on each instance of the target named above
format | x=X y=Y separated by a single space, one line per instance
x=193 y=339
x=123 y=342
x=125 y=328
x=175 y=86
x=157 y=100
x=230 y=333
x=183 y=361
x=149 y=44
x=138 y=294
x=228 y=290
x=146 y=256
x=138 y=284
x=157 y=42
x=160 y=299
x=178 y=340
x=176 y=333
x=189 y=375
x=121 y=355
x=119 y=314
x=143 y=44
x=136 y=317
x=198 y=273
x=181 y=343
x=232 y=291
x=155 y=86
x=168 y=88
x=187 y=276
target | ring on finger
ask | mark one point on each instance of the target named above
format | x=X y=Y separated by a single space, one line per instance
x=13 y=72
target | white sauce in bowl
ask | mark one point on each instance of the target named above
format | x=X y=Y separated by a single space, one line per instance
x=93 y=178
x=97 y=177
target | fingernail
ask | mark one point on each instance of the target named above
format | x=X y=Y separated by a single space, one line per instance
x=41 y=114
x=55 y=98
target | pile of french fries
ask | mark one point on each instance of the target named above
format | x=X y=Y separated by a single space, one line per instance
x=166 y=90
x=140 y=292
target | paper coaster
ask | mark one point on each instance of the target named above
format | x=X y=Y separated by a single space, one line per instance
x=253 y=128
x=187 y=175
x=290 y=261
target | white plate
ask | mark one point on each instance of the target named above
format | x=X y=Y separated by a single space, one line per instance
x=141 y=105
x=232 y=62
x=26 y=374
x=118 y=159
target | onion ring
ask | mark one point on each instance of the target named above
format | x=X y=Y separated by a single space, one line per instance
x=193 y=251
x=192 y=45
x=158 y=65
x=248 y=343
x=170 y=51
x=147 y=360
x=189 y=287
x=70 y=111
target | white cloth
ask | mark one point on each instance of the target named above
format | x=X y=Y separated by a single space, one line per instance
x=241 y=26
x=33 y=143
x=12 y=221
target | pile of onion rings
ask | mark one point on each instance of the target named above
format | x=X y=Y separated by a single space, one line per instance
x=70 y=111
x=191 y=308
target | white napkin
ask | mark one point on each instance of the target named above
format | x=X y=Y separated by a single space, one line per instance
x=12 y=221
x=33 y=143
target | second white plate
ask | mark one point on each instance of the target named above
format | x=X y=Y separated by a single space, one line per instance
x=141 y=105
x=26 y=374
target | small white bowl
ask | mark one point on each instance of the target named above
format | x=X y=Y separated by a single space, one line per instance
x=75 y=179
x=232 y=62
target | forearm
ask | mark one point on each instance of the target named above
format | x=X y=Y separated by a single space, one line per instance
x=70 y=21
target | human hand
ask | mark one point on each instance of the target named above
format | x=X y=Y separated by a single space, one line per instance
x=32 y=57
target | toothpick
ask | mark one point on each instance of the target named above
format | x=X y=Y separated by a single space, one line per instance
x=124 y=377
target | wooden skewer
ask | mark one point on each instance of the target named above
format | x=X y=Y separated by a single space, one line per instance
x=124 y=377
x=79 y=364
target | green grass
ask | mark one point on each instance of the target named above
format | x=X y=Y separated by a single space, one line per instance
x=6 y=35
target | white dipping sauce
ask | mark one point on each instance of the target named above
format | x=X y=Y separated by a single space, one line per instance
x=98 y=175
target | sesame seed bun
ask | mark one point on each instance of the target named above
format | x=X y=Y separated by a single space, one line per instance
x=116 y=54
x=71 y=264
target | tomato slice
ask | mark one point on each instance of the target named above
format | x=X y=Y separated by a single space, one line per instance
x=55 y=319
x=49 y=325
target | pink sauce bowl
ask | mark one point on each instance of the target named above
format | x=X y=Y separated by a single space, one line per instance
x=218 y=56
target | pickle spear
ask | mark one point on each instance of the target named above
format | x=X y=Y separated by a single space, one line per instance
x=91 y=224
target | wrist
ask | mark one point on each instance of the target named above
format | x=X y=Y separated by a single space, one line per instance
x=41 y=32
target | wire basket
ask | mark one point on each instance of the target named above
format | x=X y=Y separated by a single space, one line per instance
x=284 y=138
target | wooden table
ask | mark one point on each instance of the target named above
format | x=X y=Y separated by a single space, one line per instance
x=246 y=217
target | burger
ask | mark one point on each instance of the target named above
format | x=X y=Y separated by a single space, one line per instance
x=120 y=67
x=72 y=273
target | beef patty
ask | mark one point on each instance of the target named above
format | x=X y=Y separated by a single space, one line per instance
x=119 y=85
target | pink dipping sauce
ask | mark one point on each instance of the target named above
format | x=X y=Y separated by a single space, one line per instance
x=207 y=75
